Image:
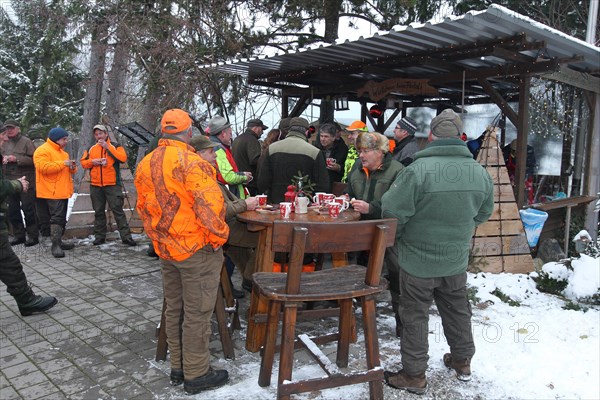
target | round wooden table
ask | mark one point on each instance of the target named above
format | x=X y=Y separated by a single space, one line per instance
x=262 y=222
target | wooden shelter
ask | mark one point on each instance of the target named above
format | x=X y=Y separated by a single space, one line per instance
x=487 y=56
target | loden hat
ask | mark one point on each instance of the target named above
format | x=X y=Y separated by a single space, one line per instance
x=256 y=122
x=447 y=124
x=175 y=121
x=298 y=124
x=357 y=126
x=372 y=141
x=99 y=127
x=217 y=125
x=284 y=124
x=57 y=133
x=408 y=124
x=201 y=142
x=11 y=123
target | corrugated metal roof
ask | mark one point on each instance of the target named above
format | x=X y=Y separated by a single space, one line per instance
x=474 y=41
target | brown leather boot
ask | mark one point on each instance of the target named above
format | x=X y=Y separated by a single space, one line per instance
x=462 y=366
x=416 y=384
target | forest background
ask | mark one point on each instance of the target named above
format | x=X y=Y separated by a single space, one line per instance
x=74 y=63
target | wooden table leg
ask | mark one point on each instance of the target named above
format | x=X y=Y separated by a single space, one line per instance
x=339 y=259
x=256 y=332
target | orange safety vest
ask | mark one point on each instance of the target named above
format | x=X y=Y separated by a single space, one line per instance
x=104 y=175
x=52 y=177
x=179 y=201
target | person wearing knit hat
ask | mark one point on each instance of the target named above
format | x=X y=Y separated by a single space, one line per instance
x=406 y=144
x=54 y=172
x=447 y=124
x=18 y=162
x=228 y=172
x=286 y=158
x=437 y=212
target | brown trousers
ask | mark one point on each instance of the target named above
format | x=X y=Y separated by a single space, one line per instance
x=190 y=290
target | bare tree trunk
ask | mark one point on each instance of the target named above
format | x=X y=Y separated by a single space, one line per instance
x=116 y=77
x=93 y=92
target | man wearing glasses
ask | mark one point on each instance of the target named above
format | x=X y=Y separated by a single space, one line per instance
x=406 y=144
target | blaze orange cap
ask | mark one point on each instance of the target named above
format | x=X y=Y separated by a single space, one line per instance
x=357 y=126
x=175 y=121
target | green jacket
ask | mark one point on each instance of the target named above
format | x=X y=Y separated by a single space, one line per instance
x=6 y=189
x=371 y=188
x=438 y=200
x=350 y=159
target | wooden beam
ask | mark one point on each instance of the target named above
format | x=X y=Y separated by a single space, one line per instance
x=571 y=77
x=500 y=102
x=512 y=55
x=300 y=106
x=522 y=132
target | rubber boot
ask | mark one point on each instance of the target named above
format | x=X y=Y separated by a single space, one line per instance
x=395 y=304
x=30 y=303
x=65 y=245
x=55 y=234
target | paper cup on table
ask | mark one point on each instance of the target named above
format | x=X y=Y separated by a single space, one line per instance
x=342 y=202
x=285 y=209
x=262 y=200
x=301 y=205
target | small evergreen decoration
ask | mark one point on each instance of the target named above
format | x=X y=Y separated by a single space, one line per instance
x=303 y=183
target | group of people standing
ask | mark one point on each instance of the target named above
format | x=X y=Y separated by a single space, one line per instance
x=191 y=187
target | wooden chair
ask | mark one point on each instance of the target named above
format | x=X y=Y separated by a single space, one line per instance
x=338 y=188
x=289 y=291
x=224 y=305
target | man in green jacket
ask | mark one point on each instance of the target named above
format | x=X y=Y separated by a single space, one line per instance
x=438 y=200
x=11 y=270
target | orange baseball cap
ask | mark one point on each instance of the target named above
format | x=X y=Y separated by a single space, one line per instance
x=175 y=121
x=357 y=126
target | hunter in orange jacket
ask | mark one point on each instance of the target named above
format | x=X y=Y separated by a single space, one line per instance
x=179 y=201
x=107 y=174
x=53 y=176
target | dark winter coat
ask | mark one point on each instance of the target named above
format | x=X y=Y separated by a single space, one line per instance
x=438 y=200
x=282 y=162
x=7 y=188
x=339 y=151
x=246 y=151
x=405 y=150
x=22 y=148
x=372 y=187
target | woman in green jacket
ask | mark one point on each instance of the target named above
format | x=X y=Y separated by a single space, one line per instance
x=372 y=174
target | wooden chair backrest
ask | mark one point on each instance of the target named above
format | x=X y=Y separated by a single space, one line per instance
x=338 y=188
x=298 y=238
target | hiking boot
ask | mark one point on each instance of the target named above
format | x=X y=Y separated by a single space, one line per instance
x=37 y=304
x=98 y=241
x=401 y=380
x=212 y=379
x=66 y=245
x=461 y=366
x=129 y=242
x=176 y=377
x=17 y=241
x=31 y=242
x=151 y=252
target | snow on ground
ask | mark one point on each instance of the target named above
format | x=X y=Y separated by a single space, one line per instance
x=536 y=350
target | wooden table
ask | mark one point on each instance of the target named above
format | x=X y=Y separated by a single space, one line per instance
x=262 y=222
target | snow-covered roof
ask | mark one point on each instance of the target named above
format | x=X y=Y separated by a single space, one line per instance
x=486 y=44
